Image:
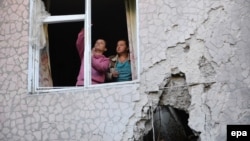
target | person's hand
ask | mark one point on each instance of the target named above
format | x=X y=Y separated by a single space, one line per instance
x=96 y=51
x=114 y=73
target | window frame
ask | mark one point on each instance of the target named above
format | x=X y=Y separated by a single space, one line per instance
x=34 y=52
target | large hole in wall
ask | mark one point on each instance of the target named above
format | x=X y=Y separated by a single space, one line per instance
x=170 y=124
x=169 y=121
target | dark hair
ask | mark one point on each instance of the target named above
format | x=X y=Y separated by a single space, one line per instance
x=103 y=40
x=126 y=41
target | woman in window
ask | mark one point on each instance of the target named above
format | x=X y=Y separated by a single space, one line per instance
x=99 y=63
x=120 y=67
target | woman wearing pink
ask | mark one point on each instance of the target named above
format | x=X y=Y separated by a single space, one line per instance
x=100 y=63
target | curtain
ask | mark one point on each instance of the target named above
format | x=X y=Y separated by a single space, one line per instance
x=45 y=79
x=40 y=42
x=131 y=27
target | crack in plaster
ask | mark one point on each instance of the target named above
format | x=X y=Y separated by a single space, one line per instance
x=209 y=13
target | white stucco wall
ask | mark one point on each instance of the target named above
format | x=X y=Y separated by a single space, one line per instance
x=206 y=40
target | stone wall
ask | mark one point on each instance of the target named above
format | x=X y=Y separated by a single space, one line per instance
x=206 y=41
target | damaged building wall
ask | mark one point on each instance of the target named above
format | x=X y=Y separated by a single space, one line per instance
x=201 y=45
x=208 y=41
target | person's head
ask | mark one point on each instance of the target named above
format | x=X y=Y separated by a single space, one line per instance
x=122 y=47
x=100 y=45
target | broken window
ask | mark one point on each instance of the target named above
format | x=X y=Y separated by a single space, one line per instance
x=55 y=62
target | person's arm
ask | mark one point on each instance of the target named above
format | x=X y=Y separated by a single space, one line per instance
x=109 y=74
x=100 y=63
x=80 y=43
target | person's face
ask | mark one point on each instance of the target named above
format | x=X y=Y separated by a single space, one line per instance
x=100 y=44
x=121 y=47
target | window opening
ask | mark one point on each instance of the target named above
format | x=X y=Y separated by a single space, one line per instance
x=109 y=22
x=64 y=59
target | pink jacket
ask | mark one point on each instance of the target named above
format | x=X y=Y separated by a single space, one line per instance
x=100 y=64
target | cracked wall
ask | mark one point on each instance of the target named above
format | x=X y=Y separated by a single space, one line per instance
x=207 y=41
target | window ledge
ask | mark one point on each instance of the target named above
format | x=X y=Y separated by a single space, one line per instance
x=42 y=90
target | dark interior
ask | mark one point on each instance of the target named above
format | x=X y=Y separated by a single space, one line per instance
x=108 y=22
x=170 y=126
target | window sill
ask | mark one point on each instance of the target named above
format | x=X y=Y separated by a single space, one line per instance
x=42 y=90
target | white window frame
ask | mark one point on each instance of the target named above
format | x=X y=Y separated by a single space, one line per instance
x=33 y=77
